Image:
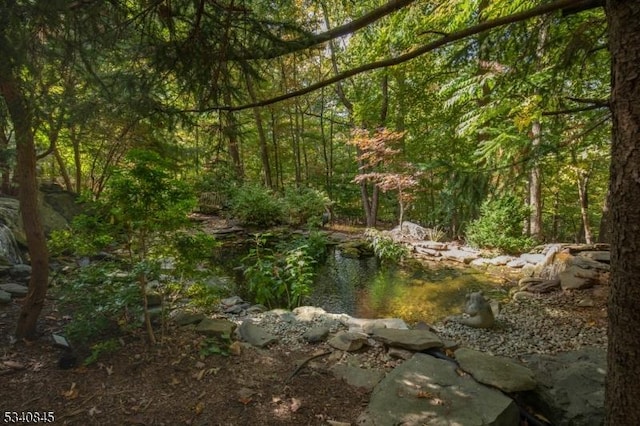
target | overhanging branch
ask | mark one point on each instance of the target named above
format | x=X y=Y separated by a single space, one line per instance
x=444 y=40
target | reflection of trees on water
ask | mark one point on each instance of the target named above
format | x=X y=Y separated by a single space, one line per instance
x=360 y=288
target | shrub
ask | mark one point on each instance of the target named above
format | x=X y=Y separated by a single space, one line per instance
x=305 y=205
x=256 y=205
x=280 y=277
x=385 y=248
x=500 y=226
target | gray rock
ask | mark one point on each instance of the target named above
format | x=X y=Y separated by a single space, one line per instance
x=600 y=256
x=256 y=335
x=237 y=309
x=533 y=258
x=363 y=378
x=231 y=301
x=367 y=326
x=347 y=341
x=5 y=297
x=20 y=272
x=587 y=263
x=316 y=334
x=570 y=387
x=183 y=318
x=501 y=260
x=16 y=290
x=399 y=353
x=576 y=278
x=415 y=340
x=517 y=263
x=500 y=372
x=216 y=327
x=425 y=390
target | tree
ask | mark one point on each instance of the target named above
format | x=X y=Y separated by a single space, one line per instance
x=623 y=359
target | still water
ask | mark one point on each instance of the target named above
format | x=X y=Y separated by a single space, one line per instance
x=363 y=289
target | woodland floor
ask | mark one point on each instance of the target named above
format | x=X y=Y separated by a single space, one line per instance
x=169 y=384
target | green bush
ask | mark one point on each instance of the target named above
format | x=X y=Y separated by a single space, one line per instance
x=256 y=205
x=281 y=277
x=385 y=248
x=305 y=205
x=499 y=226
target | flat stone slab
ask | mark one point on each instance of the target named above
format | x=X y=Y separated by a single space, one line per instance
x=427 y=391
x=501 y=372
x=414 y=340
x=347 y=341
x=5 y=297
x=17 y=290
x=215 y=327
x=363 y=378
x=256 y=335
x=368 y=325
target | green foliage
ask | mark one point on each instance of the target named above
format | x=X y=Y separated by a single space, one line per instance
x=255 y=205
x=103 y=299
x=101 y=348
x=281 y=277
x=385 y=248
x=215 y=346
x=305 y=205
x=88 y=235
x=203 y=295
x=500 y=226
x=146 y=200
x=192 y=248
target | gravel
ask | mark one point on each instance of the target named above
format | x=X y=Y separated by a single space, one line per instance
x=548 y=323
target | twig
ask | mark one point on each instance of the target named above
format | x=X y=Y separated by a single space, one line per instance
x=303 y=363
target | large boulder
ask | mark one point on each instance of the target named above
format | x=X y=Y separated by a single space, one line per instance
x=427 y=390
x=570 y=390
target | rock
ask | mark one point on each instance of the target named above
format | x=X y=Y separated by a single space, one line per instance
x=586 y=263
x=237 y=309
x=599 y=256
x=517 y=263
x=183 y=318
x=500 y=372
x=522 y=295
x=570 y=387
x=399 y=353
x=369 y=325
x=231 y=301
x=425 y=390
x=20 y=272
x=533 y=258
x=16 y=290
x=538 y=285
x=575 y=278
x=414 y=340
x=256 y=335
x=5 y=297
x=347 y=341
x=363 y=378
x=501 y=260
x=216 y=327
x=316 y=334
x=459 y=255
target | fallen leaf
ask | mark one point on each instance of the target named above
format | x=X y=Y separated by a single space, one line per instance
x=72 y=393
x=199 y=408
x=14 y=365
x=295 y=404
x=93 y=411
x=109 y=370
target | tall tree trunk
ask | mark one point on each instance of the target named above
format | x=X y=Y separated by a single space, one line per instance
x=583 y=194
x=604 y=231
x=262 y=138
x=28 y=197
x=535 y=186
x=230 y=128
x=623 y=359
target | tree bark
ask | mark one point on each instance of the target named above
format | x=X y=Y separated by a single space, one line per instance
x=28 y=198
x=622 y=385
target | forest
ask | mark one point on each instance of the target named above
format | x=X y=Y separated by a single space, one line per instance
x=504 y=124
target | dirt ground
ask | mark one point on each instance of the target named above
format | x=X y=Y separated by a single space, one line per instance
x=168 y=384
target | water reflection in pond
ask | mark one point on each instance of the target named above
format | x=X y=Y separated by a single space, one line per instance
x=360 y=288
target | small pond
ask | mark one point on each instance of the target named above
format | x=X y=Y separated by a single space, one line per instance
x=363 y=289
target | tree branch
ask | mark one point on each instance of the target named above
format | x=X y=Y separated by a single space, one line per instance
x=447 y=39
x=314 y=40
